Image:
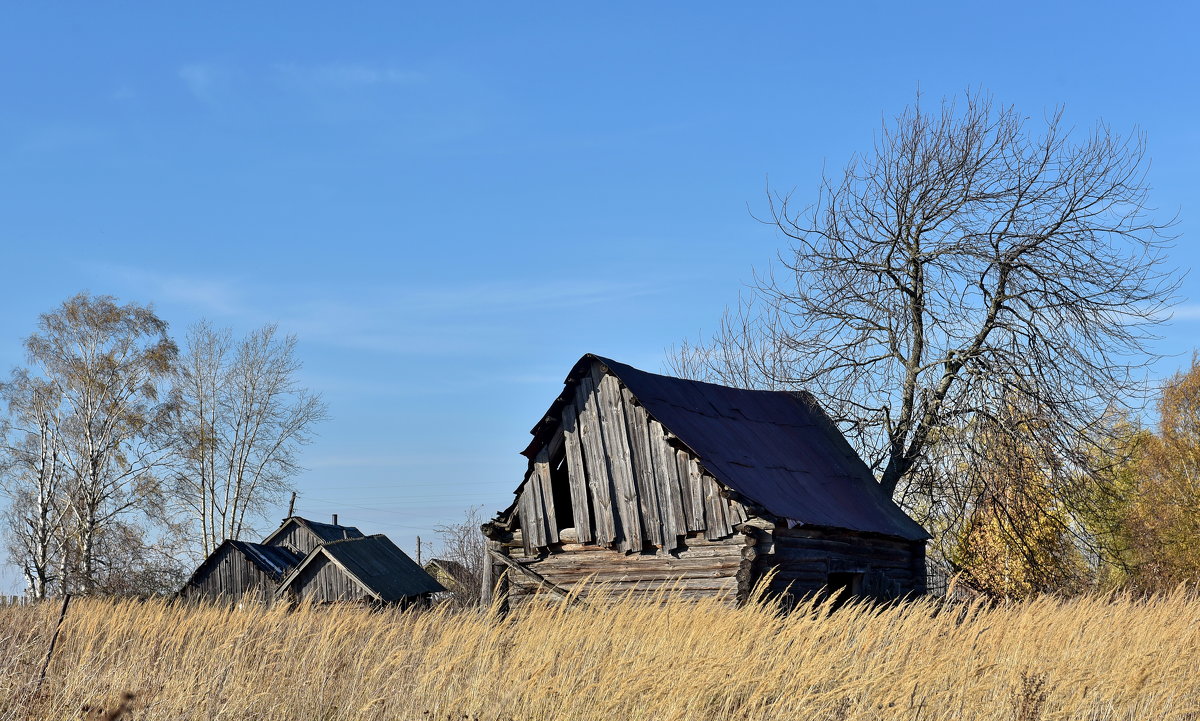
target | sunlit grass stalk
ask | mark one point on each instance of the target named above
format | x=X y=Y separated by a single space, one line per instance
x=615 y=657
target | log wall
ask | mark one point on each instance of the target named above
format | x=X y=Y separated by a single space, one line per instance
x=803 y=558
x=697 y=568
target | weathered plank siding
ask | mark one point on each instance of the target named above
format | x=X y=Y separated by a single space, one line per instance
x=321 y=581
x=230 y=578
x=802 y=560
x=629 y=489
x=297 y=538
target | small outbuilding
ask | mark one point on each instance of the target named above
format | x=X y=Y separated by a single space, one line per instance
x=303 y=535
x=644 y=481
x=370 y=569
x=240 y=570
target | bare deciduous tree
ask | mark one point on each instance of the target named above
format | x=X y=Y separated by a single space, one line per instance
x=464 y=544
x=31 y=476
x=239 y=418
x=966 y=262
x=82 y=459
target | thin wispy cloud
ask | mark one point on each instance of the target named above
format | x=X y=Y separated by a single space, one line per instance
x=216 y=296
x=203 y=80
x=1189 y=311
x=347 y=75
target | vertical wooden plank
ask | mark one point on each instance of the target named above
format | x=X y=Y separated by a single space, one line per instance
x=685 y=491
x=525 y=509
x=537 y=520
x=541 y=466
x=670 y=504
x=737 y=513
x=616 y=442
x=576 y=474
x=664 y=458
x=716 y=521
x=696 y=486
x=645 y=476
x=599 y=472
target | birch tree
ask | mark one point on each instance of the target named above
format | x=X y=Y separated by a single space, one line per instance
x=239 y=419
x=88 y=407
x=31 y=477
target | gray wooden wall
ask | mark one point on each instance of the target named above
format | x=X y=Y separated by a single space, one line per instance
x=802 y=559
x=231 y=578
x=299 y=538
x=322 y=581
x=698 y=568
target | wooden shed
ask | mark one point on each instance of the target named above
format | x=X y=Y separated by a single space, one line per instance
x=646 y=481
x=238 y=570
x=369 y=569
x=302 y=535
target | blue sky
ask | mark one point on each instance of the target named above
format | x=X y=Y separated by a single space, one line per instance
x=449 y=203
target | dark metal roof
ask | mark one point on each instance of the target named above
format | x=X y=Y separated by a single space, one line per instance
x=776 y=448
x=325 y=531
x=379 y=565
x=273 y=560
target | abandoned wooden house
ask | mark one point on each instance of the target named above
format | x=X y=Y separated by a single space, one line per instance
x=303 y=535
x=643 y=481
x=238 y=571
x=369 y=569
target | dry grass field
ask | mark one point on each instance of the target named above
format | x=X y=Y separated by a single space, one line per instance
x=1089 y=658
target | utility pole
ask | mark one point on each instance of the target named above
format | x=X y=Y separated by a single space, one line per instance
x=292 y=505
x=418 y=550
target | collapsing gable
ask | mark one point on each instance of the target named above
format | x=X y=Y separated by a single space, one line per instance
x=625 y=479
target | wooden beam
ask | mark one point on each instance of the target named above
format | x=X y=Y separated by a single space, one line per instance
x=541 y=466
x=616 y=441
x=576 y=474
x=599 y=473
x=552 y=588
x=645 y=475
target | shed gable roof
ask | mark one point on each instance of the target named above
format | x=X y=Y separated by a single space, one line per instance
x=275 y=561
x=326 y=532
x=376 y=564
x=776 y=448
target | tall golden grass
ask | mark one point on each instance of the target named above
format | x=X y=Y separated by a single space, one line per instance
x=1085 y=658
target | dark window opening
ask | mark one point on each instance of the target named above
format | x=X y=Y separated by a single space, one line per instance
x=842 y=587
x=560 y=484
